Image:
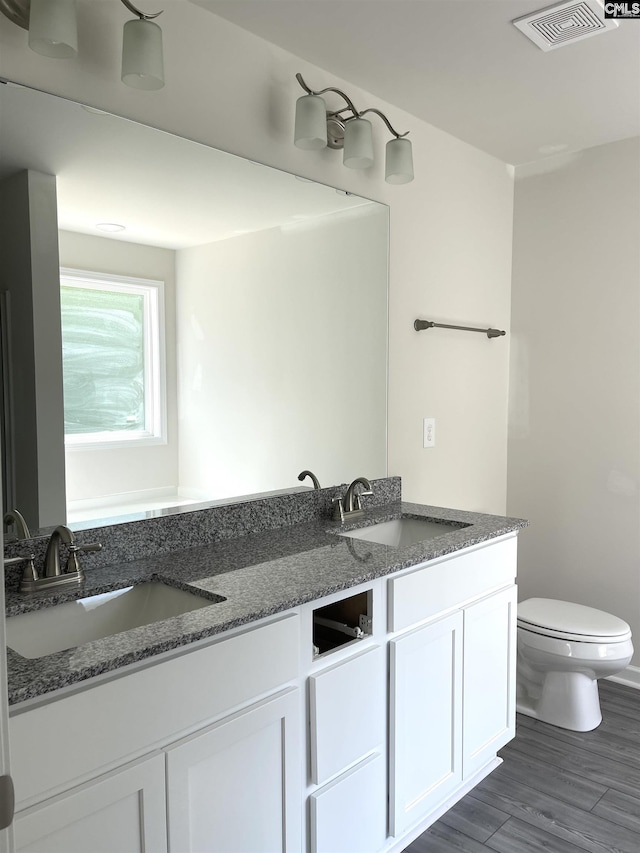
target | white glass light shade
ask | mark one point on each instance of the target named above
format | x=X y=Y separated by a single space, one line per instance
x=311 y=123
x=142 y=60
x=53 y=30
x=399 y=162
x=358 y=144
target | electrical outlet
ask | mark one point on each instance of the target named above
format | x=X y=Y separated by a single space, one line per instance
x=429 y=432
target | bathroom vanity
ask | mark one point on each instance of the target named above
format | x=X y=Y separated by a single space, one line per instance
x=253 y=723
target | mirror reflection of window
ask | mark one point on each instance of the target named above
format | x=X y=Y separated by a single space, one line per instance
x=111 y=337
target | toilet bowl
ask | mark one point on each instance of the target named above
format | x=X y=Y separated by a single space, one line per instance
x=563 y=649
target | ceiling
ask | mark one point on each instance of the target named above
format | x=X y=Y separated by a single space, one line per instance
x=462 y=66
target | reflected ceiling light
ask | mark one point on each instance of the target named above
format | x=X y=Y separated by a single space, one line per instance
x=553 y=148
x=53 y=32
x=95 y=111
x=317 y=127
x=110 y=227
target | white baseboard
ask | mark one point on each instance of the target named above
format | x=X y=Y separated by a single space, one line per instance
x=630 y=677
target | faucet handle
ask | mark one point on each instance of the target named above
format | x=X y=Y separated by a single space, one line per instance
x=359 y=496
x=73 y=565
x=12 y=561
x=30 y=572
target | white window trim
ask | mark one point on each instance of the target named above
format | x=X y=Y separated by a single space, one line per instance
x=155 y=379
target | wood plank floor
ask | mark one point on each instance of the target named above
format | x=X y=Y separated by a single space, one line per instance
x=557 y=791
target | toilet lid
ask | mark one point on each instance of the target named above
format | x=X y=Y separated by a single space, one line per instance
x=567 y=620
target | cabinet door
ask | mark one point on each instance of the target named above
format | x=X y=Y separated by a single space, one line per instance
x=236 y=786
x=489 y=678
x=349 y=814
x=425 y=720
x=347 y=712
x=123 y=810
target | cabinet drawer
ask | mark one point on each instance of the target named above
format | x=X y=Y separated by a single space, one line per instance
x=347 y=710
x=348 y=814
x=118 y=720
x=443 y=584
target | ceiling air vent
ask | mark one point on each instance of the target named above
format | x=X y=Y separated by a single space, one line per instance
x=565 y=23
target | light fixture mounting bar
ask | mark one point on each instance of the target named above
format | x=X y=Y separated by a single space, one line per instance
x=350 y=105
x=137 y=12
x=17 y=11
x=309 y=91
x=385 y=120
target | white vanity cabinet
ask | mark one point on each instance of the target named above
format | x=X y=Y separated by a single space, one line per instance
x=452 y=680
x=248 y=744
x=207 y=744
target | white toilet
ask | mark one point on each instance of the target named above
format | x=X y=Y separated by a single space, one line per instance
x=563 y=648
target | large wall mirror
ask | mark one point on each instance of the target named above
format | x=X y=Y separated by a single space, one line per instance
x=179 y=325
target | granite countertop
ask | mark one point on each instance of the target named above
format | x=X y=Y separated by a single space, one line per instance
x=258 y=575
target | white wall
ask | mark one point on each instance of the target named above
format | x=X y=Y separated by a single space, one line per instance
x=450 y=228
x=453 y=265
x=574 y=440
x=29 y=274
x=93 y=474
x=282 y=356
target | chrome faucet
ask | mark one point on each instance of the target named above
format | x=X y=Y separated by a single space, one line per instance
x=312 y=477
x=350 y=506
x=61 y=534
x=350 y=494
x=13 y=516
x=52 y=574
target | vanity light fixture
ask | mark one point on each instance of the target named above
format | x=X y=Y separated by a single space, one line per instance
x=317 y=127
x=53 y=32
x=142 y=57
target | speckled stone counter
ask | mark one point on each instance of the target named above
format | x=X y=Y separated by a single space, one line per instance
x=258 y=574
x=165 y=531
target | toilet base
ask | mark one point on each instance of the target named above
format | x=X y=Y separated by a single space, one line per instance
x=568 y=700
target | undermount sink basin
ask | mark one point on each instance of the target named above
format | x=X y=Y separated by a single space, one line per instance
x=65 y=626
x=403 y=531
